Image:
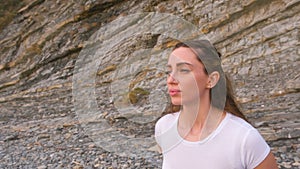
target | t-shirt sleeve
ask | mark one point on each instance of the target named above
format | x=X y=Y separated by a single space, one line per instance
x=157 y=132
x=255 y=149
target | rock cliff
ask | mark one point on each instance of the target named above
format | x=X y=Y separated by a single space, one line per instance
x=42 y=42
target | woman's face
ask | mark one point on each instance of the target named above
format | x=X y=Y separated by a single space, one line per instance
x=187 y=81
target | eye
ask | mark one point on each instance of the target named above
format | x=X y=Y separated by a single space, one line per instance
x=168 y=72
x=184 y=70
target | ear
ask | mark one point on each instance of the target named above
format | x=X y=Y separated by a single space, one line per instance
x=213 y=79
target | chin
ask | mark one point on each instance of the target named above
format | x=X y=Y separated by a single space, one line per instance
x=176 y=102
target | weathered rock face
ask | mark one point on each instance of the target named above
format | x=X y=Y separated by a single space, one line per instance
x=39 y=48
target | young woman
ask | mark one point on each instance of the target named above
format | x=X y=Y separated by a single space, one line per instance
x=209 y=131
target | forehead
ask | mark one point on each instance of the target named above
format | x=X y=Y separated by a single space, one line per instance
x=183 y=54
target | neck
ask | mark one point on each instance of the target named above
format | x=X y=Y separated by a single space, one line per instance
x=197 y=121
x=195 y=114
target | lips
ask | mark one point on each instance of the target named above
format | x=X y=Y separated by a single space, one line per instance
x=174 y=92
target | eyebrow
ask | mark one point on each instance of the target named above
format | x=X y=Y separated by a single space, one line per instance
x=181 y=63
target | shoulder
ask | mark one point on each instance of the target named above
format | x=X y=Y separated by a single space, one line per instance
x=236 y=123
x=247 y=135
x=239 y=122
x=165 y=122
x=254 y=148
x=243 y=128
x=168 y=117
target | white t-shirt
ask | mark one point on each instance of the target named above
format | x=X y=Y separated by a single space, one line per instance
x=235 y=144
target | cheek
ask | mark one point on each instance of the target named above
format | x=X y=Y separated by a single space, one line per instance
x=188 y=83
x=201 y=77
x=198 y=83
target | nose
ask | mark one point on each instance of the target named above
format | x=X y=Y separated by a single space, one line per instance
x=171 y=79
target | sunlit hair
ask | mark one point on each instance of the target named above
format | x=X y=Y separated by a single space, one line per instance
x=208 y=55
